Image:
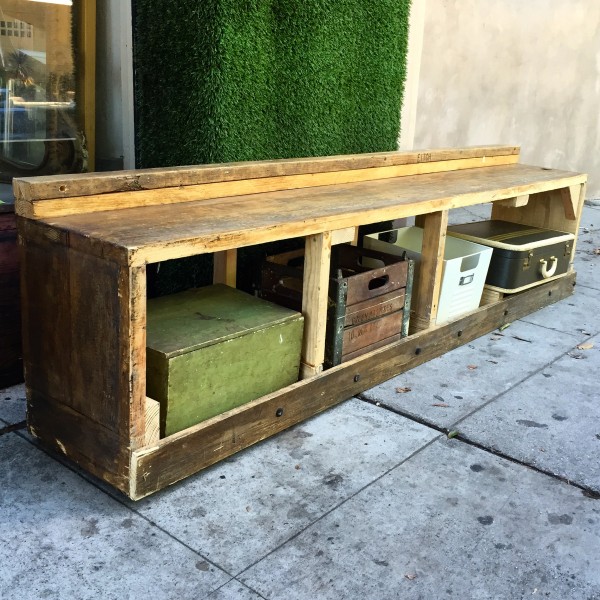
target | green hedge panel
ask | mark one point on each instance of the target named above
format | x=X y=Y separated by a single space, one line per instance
x=226 y=80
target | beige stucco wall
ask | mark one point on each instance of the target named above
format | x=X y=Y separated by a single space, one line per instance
x=510 y=72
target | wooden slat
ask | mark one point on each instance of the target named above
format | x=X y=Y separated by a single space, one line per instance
x=93 y=184
x=514 y=202
x=427 y=288
x=225 y=267
x=175 y=195
x=152 y=234
x=343 y=236
x=315 y=290
x=570 y=200
x=131 y=366
x=189 y=451
x=152 y=422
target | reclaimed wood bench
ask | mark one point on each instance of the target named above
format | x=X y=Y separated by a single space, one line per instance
x=86 y=241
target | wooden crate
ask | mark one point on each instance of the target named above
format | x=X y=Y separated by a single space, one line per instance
x=369 y=297
x=212 y=349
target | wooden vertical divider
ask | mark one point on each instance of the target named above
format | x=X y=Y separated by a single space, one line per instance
x=225 y=267
x=132 y=342
x=430 y=270
x=314 y=302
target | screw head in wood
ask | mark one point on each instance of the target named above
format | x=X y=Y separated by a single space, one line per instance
x=279 y=412
x=356 y=378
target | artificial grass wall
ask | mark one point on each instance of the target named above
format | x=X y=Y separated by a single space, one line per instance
x=231 y=80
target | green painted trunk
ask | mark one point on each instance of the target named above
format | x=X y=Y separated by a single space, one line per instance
x=212 y=349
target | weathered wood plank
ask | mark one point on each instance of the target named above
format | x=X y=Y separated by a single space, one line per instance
x=92 y=446
x=189 y=451
x=343 y=236
x=45 y=304
x=93 y=184
x=131 y=364
x=208 y=191
x=427 y=288
x=152 y=234
x=570 y=200
x=317 y=258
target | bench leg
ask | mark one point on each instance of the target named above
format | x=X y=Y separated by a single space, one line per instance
x=314 y=302
x=430 y=271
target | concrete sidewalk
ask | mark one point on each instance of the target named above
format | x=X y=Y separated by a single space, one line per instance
x=370 y=500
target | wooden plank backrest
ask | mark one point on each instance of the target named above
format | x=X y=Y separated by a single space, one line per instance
x=62 y=195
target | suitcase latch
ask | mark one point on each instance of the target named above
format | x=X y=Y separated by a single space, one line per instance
x=527 y=261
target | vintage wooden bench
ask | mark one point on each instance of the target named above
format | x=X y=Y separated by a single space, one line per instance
x=86 y=241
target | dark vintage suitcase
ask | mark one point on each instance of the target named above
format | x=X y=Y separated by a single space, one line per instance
x=369 y=297
x=523 y=256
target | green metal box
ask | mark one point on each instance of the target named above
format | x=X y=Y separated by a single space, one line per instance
x=212 y=349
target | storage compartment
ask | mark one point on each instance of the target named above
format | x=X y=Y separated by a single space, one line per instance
x=523 y=256
x=212 y=349
x=369 y=297
x=464 y=271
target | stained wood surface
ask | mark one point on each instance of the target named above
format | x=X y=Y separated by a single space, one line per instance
x=84 y=330
x=152 y=234
x=189 y=451
x=97 y=449
x=95 y=184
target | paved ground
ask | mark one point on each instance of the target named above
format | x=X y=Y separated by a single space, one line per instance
x=370 y=500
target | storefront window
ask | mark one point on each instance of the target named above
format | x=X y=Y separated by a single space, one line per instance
x=39 y=132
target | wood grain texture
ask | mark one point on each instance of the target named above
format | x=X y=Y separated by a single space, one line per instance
x=514 y=202
x=429 y=282
x=152 y=422
x=152 y=234
x=225 y=267
x=570 y=200
x=317 y=257
x=84 y=336
x=189 y=451
x=131 y=365
x=95 y=184
x=343 y=236
x=66 y=431
x=545 y=209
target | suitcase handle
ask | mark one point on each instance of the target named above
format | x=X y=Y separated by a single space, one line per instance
x=544 y=270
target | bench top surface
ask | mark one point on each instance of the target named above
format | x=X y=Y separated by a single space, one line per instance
x=152 y=233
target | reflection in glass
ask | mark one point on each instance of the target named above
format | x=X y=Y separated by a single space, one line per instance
x=38 y=129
